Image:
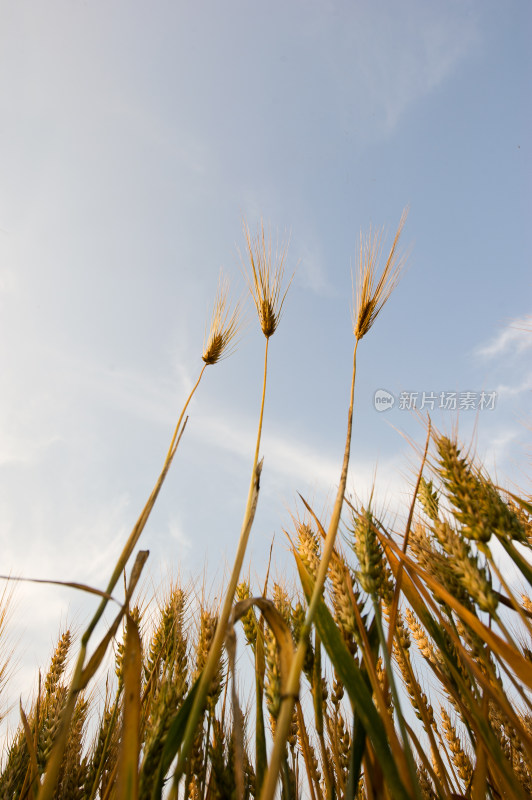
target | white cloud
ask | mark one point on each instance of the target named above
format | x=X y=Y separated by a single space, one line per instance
x=293 y=466
x=178 y=535
x=525 y=385
x=497 y=445
x=514 y=339
x=76 y=543
x=286 y=457
x=425 y=47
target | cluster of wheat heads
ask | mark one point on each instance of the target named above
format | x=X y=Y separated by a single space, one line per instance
x=400 y=668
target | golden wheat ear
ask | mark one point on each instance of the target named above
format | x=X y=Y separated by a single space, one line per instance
x=372 y=294
x=220 y=337
x=267 y=276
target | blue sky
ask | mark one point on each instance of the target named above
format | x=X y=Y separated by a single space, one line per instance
x=135 y=137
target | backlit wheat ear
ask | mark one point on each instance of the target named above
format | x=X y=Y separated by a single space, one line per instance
x=371 y=573
x=58 y=664
x=266 y=281
x=371 y=295
x=219 y=340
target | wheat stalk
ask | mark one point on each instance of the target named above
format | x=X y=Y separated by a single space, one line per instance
x=372 y=294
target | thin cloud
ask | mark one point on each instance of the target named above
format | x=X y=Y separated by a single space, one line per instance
x=77 y=543
x=312 y=272
x=400 y=54
x=286 y=458
x=514 y=339
x=499 y=446
x=20 y=450
x=513 y=391
x=295 y=467
x=177 y=534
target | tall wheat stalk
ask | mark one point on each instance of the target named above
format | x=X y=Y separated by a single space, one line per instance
x=266 y=288
x=371 y=296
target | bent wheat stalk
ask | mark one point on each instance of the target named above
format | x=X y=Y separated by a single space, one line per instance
x=222 y=332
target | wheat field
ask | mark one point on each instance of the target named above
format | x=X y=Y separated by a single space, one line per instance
x=398 y=663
